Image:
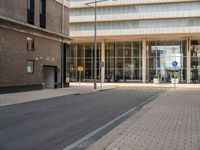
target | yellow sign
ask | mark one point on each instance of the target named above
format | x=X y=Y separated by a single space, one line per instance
x=80 y=69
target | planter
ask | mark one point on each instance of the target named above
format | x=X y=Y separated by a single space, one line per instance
x=174 y=80
x=156 y=80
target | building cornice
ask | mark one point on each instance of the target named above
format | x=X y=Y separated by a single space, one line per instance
x=137 y=32
x=15 y=25
x=137 y=16
x=127 y=2
x=156 y=37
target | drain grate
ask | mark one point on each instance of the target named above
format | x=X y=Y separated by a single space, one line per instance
x=77 y=94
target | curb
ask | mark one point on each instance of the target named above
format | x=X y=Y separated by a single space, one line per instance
x=90 y=138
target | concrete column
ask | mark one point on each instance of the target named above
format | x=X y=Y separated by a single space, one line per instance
x=103 y=61
x=188 y=60
x=144 y=49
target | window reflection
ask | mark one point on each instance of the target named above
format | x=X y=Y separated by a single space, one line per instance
x=160 y=56
x=195 y=61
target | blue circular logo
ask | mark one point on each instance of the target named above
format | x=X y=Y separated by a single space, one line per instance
x=174 y=63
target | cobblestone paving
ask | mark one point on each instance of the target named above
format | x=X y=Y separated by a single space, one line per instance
x=173 y=123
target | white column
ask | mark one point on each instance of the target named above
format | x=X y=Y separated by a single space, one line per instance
x=103 y=61
x=188 y=60
x=144 y=48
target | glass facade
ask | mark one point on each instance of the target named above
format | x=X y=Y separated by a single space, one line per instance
x=82 y=55
x=123 y=61
x=161 y=55
x=140 y=23
x=195 y=61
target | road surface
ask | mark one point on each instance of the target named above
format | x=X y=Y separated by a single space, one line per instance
x=53 y=124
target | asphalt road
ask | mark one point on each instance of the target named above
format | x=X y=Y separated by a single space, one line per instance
x=55 y=123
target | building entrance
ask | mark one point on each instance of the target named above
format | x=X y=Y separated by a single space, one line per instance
x=49 y=76
x=161 y=55
x=169 y=75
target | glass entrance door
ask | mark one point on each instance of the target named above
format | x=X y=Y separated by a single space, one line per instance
x=161 y=55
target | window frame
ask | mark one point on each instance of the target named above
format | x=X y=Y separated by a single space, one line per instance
x=30 y=11
x=33 y=66
x=42 y=12
x=32 y=42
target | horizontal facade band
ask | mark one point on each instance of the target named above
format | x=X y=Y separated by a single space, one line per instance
x=137 y=32
x=137 y=24
x=137 y=16
x=136 y=9
x=81 y=4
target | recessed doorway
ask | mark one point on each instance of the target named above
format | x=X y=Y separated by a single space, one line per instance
x=49 y=76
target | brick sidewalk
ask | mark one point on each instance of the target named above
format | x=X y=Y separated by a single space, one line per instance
x=170 y=122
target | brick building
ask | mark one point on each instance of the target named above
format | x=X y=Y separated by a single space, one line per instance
x=34 y=36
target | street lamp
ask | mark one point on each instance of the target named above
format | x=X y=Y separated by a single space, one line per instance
x=90 y=4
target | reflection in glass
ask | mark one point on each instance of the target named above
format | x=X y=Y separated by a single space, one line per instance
x=160 y=56
x=123 y=61
x=83 y=55
x=195 y=62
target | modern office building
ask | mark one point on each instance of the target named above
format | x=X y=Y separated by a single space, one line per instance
x=137 y=40
x=34 y=34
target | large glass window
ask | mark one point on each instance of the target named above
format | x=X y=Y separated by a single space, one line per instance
x=83 y=55
x=30 y=44
x=161 y=55
x=123 y=61
x=195 y=61
x=30 y=11
x=30 y=66
x=43 y=13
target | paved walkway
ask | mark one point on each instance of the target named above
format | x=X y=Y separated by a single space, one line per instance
x=138 y=85
x=170 y=122
x=13 y=98
x=21 y=97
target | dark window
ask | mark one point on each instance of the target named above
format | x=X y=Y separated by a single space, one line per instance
x=30 y=44
x=30 y=11
x=43 y=13
x=30 y=66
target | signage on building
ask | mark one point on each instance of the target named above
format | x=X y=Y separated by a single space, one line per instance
x=80 y=69
x=174 y=64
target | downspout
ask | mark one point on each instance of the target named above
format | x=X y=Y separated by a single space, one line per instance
x=62 y=46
